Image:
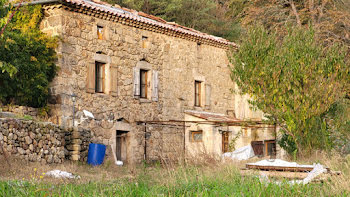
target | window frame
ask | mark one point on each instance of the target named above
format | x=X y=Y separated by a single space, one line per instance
x=196 y=132
x=198 y=93
x=144 y=87
x=100 y=77
x=100 y=32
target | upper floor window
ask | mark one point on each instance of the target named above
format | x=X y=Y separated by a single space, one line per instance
x=146 y=82
x=143 y=83
x=144 y=42
x=100 y=32
x=197 y=93
x=99 y=77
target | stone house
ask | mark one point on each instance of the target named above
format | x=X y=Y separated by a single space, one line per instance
x=142 y=85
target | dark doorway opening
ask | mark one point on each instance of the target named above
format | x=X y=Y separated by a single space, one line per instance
x=121 y=145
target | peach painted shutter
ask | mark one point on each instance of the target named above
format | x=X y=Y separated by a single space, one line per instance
x=90 y=77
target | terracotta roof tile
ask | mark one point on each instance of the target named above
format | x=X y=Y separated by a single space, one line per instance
x=145 y=18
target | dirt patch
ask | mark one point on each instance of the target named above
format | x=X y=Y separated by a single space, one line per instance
x=20 y=169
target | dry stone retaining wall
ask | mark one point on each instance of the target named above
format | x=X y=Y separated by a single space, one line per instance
x=43 y=142
x=21 y=110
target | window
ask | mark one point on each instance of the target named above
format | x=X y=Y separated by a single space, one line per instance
x=270 y=148
x=144 y=42
x=146 y=83
x=99 y=77
x=197 y=93
x=100 y=32
x=143 y=83
x=196 y=136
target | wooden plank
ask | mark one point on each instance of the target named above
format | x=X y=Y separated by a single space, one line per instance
x=281 y=168
x=277 y=174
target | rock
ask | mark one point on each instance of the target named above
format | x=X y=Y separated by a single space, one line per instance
x=75 y=135
x=10 y=137
x=28 y=140
x=15 y=136
x=32 y=135
x=31 y=147
x=74 y=147
x=49 y=159
x=40 y=144
x=74 y=157
x=25 y=146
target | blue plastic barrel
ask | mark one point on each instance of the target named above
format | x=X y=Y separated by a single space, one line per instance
x=96 y=154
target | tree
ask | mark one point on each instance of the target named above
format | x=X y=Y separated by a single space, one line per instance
x=294 y=80
x=4 y=15
x=329 y=19
x=32 y=53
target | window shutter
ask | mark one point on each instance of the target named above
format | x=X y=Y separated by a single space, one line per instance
x=90 y=78
x=155 y=85
x=114 y=81
x=136 y=82
x=207 y=95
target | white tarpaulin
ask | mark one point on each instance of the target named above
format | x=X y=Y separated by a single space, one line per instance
x=279 y=162
x=242 y=153
x=61 y=174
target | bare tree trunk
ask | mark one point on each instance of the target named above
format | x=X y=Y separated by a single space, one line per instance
x=295 y=11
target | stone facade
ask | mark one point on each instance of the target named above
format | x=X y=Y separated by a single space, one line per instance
x=178 y=62
x=173 y=58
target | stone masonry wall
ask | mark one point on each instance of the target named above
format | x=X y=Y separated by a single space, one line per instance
x=179 y=63
x=21 y=110
x=43 y=142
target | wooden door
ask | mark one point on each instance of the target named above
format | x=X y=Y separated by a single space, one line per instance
x=258 y=147
x=121 y=145
x=119 y=148
x=225 y=142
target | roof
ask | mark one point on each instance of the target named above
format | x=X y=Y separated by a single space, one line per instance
x=210 y=116
x=140 y=20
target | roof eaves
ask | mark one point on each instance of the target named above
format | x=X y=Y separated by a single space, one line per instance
x=122 y=13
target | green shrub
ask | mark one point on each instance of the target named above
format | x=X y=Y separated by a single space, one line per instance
x=33 y=55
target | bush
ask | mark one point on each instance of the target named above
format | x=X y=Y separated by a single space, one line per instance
x=33 y=55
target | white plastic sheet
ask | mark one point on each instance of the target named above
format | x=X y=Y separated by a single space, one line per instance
x=279 y=162
x=242 y=153
x=61 y=174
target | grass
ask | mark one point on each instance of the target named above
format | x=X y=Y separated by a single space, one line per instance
x=209 y=179
x=230 y=185
x=184 y=181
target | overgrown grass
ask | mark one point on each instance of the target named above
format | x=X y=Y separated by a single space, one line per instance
x=204 y=178
x=184 y=181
